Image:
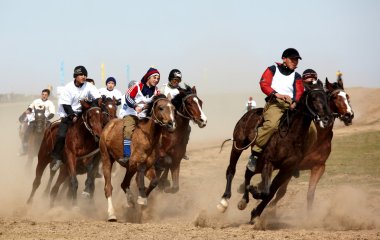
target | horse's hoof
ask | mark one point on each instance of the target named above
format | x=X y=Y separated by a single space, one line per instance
x=129 y=196
x=86 y=195
x=142 y=201
x=255 y=192
x=242 y=204
x=112 y=218
x=171 y=190
x=222 y=205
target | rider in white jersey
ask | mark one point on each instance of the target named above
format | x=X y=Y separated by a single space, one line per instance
x=110 y=91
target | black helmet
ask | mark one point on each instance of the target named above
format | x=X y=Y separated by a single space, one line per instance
x=291 y=53
x=79 y=70
x=309 y=73
x=175 y=73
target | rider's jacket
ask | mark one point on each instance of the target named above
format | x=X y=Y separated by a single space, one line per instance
x=280 y=79
x=167 y=89
x=71 y=95
x=110 y=94
x=40 y=104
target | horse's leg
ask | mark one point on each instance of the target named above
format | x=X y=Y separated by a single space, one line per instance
x=266 y=175
x=151 y=174
x=280 y=193
x=247 y=180
x=174 y=169
x=62 y=176
x=230 y=173
x=71 y=164
x=125 y=185
x=107 y=172
x=315 y=176
x=142 y=198
x=163 y=182
x=48 y=187
x=92 y=170
x=43 y=161
x=282 y=176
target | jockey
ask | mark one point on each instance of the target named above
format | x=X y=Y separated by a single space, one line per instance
x=251 y=104
x=175 y=77
x=28 y=115
x=284 y=87
x=69 y=108
x=110 y=91
x=124 y=106
x=136 y=100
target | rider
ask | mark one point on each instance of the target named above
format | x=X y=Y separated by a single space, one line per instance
x=28 y=115
x=110 y=91
x=251 y=104
x=283 y=87
x=175 y=77
x=69 y=108
x=137 y=98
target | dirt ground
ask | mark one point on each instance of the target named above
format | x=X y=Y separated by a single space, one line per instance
x=343 y=208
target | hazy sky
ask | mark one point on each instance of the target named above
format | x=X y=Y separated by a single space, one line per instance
x=219 y=46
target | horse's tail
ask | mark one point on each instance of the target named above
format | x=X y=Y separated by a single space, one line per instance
x=221 y=147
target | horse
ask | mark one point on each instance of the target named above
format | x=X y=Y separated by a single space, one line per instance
x=285 y=148
x=81 y=139
x=145 y=144
x=92 y=159
x=36 y=133
x=173 y=145
x=317 y=155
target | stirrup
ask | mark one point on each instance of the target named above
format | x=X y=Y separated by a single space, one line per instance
x=252 y=161
x=124 y=160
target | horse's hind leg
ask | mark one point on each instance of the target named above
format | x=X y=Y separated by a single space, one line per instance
x=247 y=180
x=92 y=170
x=151 y=174
x=280 y=194
x=175 y=178
x=142 y=198
x=163 y=179
x=48 y=187
x=125 y=185
x=315 y=176
x=43 y=161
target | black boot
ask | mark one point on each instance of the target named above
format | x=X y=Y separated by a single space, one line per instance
x=56 y=154
x=252 y=161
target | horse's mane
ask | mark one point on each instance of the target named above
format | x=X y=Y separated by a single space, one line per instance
x=151 y=103
x=177 y=100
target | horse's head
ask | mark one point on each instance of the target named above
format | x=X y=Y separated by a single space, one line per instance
x=109 y=108
x=339 y=101
x=189 y=105
x=161 y=110
x=315 y=101
x=93 y=118
x=39 y=119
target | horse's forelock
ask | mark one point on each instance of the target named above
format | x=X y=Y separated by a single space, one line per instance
x=151 y=103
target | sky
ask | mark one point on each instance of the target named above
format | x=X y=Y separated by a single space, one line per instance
x=220 y=46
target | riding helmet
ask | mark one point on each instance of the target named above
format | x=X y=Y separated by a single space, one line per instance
x=175 y=73
x=291 y=53
x=309 y=73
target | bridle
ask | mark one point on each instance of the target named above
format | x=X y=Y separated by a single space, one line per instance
x=314 y=115
x=153 y=114
x=186 y=113
x=330 y=95
x=85 y=117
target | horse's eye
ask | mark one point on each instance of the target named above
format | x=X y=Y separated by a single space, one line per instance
x=161 y=108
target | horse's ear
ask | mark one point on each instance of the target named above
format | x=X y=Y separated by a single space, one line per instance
x=340 y=82
x=328 y=85
x=319 y=83
x=85 y=105
x=100 y=101
x=169 y=97
x=194 y=90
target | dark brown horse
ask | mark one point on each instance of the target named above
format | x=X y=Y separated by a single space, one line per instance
x=91 y=160
x=285 y=149
x=36 y=133
x=145 y=144
x=173 y=145
x=81 y=139
x=316 y=157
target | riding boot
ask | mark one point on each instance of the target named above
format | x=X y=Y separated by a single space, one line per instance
x=252 y=161
x=126 y=151
x=57 y=153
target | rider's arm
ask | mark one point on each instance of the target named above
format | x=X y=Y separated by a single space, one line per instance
x=299 y=88
x=130 y=96
x=69 y=110
x=266 y=81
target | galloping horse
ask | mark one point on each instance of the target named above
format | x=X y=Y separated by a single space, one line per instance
x=316 y=157
x=285 y=150
x=36 y=133
x=81 y=139
x=189 y=107
x=145 y=144
x=91 y=160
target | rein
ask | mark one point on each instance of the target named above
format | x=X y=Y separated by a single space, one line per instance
x=330 y=95
x=311 y=112
x=153 y=114
x=186 y=111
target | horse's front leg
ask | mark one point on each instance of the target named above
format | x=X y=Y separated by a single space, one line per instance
x=92 y=170
x=71 y=162
x=315 y=176
x=62 y=176
x=247 y=180
x=151 y=174
x=142 y=198
x=175 y=178
x=230 y=173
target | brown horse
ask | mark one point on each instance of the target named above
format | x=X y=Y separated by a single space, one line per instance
x=285 y=149
x=91 y=160
x=173 y=145
x=145 y=144
x=81 y=139
x=316 y=157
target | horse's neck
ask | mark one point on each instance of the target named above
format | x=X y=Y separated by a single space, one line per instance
x=149 y=128
x=325 y=133
x=300 y=124
x=182 y=122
